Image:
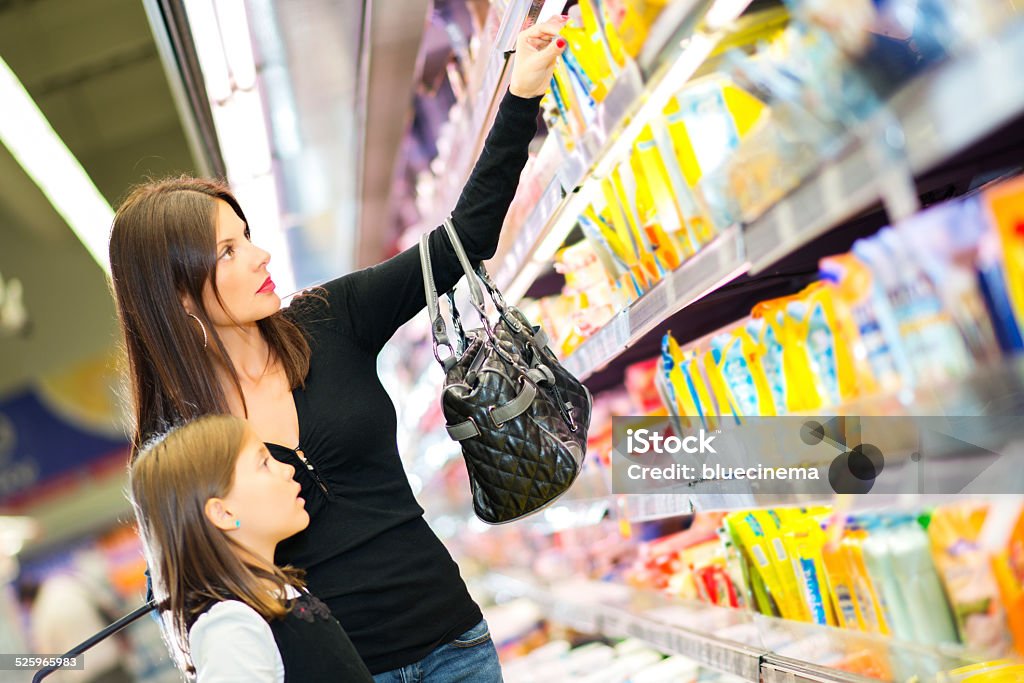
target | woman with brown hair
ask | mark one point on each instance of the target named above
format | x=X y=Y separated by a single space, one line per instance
x=211 y=506
x=205 y=334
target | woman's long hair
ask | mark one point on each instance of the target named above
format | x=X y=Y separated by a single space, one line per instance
x=194 y=563
x=162 y=247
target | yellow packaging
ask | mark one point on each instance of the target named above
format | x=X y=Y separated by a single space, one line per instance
x=767 y=540
x=825 y=339
x=608 y=45
x=698 y=228
x=1008 y=567
x=595 y=228
x=648 y=165
x=870 y=608
x=629 y=193
x=841 y=588
x=702 y=395
x=683 y=404
x=748 y=538
x=571 y=111
x=734 y=370
x=784 y=359
x=633 y=22
x=612 y=228
x=589 y=55
x=744 y=107
x=618 y=219
x=659 y=213
x=729 y=411
x=966 y=572
x=681 y=144
x=875 y=361
x=999 y=671
x=804 y=541
x=706 y=121
x=611 y=34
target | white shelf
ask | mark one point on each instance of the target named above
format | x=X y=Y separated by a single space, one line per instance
x=608 y=609
x=776 y=669
x=751 y=646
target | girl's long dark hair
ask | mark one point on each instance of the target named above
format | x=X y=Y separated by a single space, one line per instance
x=193 y=563
x=162 y=247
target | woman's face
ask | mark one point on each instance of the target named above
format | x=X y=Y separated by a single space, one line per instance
x=242 y=277
x=264 y=498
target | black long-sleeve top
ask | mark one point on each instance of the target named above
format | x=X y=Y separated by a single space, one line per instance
x=368 y=553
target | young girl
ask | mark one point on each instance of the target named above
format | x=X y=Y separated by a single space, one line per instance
x=212 y=505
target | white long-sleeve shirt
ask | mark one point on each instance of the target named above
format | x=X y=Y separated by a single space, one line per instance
x=232 y=643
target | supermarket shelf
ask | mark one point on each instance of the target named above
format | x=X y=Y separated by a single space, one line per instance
x=751 y=646
x=996 y=392
x=927 y=119
x=776 y=669
x=487 y=80
x=630 y=105
x=932 y=119
x=611 y=612
x=718 y=263
x=561 y=516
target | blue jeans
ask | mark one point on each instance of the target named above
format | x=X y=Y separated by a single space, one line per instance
x=470 y=658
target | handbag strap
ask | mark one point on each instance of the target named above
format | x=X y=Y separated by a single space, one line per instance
x=478 y=274
x=438 y=329
x=476 y=296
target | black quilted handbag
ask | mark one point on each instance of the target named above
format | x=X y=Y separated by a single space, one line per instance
x=520 y=417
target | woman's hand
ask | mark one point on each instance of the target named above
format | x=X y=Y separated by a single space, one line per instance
x=537 y=51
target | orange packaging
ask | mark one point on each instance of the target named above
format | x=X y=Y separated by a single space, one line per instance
x=1008 y=567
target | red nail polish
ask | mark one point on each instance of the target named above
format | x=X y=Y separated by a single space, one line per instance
x=560 y=43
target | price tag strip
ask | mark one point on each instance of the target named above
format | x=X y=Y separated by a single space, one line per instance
x=776 y=669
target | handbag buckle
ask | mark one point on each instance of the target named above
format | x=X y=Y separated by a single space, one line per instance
x=490 y=413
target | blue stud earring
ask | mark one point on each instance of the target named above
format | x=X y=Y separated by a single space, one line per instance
x=238 y=523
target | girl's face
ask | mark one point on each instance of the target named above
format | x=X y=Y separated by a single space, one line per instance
x=242 y=277
x=264 y=498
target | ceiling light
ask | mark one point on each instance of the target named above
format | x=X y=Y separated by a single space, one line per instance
x=235 y=34
x=202 y=22
x=40 y=151
x=242 y=131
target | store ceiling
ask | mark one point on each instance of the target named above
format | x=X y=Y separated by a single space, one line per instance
x=94 y=70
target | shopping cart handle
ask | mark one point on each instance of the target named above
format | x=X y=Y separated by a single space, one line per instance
x=102 y=635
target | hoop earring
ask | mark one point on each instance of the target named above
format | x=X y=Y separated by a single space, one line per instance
x=201 y=326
